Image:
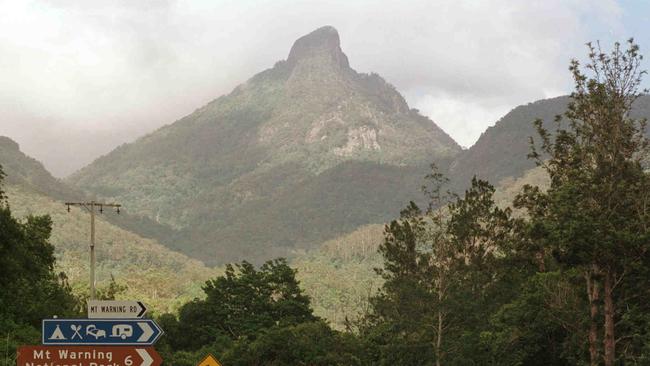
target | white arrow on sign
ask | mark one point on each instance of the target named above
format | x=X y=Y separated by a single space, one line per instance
x=147 y=332
x=113 y=309
x=146 y=359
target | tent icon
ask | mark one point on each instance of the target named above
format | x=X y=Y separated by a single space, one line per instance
x=57 y=334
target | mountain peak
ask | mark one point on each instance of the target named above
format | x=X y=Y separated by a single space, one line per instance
x=266 y=152
x=323 y=42
x=8 y=143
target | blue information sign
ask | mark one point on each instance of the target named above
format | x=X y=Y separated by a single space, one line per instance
x=142 y=332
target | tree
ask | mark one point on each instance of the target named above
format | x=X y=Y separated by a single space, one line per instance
x=442 y=277
x=480 y=233
x=403 y=312
x=594 y=216
x=3 y=198
x=30 y=289
x=255 y=316
x=241 y=303
x=443 y=259
x=540 y=325
x=308 y=343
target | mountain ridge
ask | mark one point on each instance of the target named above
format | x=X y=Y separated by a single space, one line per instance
x=258 y=146
x=27 y=171
x=501 y=150
x=132 y=260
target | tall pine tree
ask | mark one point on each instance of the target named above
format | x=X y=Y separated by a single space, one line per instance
x=595 y=217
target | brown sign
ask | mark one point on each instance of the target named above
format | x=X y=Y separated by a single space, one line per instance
x=87 y=356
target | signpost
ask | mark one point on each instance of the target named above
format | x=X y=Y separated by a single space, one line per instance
x=113 y=335
x=117 y=332
x=112 y=309
x=87 y=356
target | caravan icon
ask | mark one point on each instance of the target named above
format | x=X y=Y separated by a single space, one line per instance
x=122 y=331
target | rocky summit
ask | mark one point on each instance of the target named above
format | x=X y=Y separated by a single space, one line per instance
x=300 y=153
x=323 y=43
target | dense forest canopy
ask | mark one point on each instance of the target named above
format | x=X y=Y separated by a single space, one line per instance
x=559 y=278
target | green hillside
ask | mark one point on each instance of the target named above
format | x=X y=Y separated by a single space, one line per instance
x=152 y=273
x=501 y=150
x=26 y=171
x=339 y=276
x=298 y=154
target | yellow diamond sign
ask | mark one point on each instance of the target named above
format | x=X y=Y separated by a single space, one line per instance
x=210 y=360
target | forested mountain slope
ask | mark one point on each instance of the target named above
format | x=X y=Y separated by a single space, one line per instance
x=298 y=154
x=501 y=150
x=28 y=172
x=340 y=275
x=151 y=272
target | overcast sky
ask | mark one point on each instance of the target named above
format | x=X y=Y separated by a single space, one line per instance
x=78 y=78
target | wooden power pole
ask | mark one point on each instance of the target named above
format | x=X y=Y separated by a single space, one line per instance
x=90 y=207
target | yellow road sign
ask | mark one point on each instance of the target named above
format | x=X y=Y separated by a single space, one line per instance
x=209 y=360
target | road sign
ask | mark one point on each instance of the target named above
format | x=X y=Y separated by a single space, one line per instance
x=209 y=360
x=87 y=355
x=110 y=309
x=118 y=332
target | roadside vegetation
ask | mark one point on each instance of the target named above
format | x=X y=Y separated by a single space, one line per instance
x=559 y=275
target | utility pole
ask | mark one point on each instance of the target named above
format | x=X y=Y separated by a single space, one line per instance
x=90 y=207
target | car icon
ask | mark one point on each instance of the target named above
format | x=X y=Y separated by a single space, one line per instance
x=93 y=331
x=122 y=331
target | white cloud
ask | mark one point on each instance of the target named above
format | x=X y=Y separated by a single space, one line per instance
x=122 y=68
x=467 y=118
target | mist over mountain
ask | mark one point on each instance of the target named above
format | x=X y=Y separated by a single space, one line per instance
x=296 y=155
x=428 y=183
x=300 y=153
x=307 y=160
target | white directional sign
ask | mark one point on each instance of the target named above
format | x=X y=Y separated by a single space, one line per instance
x=113 y=309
